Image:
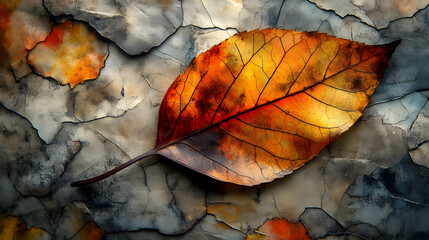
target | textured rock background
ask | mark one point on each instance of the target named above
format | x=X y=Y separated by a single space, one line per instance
x=371 y=183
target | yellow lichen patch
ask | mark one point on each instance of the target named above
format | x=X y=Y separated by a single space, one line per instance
x=11 y=228
x=71 y=54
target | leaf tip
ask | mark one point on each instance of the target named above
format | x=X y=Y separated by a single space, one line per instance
x=391 y=47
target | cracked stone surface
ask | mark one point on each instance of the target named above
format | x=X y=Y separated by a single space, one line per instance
x=64 y=57
x=136 y=26
x=371 y=183
x=375 y=13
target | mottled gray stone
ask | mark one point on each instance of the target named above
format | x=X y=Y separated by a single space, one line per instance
x=133 y=199
x=420 y=155
x=259 y=14
x=407 y=181
x=406 y=222
x=383 y=144
x=375 y=13
x=366 y=201
x=407 y=70
x=401 y=113
x=416 y=136
x=393 y=200
x=339 y=173
x=136 y=26
x=206 y=229
x=34 y=173
x=44 y=103
x=33 y=165
x=365 y=230
x=122 y=85
x=26 y=205
x=319 y=224
x=305 y=16
x=206 y=13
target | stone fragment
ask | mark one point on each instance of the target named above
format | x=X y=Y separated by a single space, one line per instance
x=339 y=173
x=33 y=165
x=206 y=229
x=416 y=136
x=406 y=71
x=375 y=13
x=319 y=224
x=44 y=103
x=24 y=23
x=136 y=26
x=365 y=230
x=154 y=200
x=390 y=203
x=365 y=201
x=71 y=54
x=420 y=155
x=383 y=144
x=303 y=15
x=121 y=86
x=406 y=180
x=259 y=14
x=401 y=113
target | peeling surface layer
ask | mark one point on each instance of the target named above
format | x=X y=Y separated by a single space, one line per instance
x=71 y=54
x=371 y=183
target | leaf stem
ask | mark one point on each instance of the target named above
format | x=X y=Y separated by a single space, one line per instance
x=111 y=172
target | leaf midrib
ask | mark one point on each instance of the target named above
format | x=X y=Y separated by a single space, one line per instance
x=259 y=106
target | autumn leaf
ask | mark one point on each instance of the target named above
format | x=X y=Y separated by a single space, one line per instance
x=280 y=228
x=71 y=54
x=261 y=104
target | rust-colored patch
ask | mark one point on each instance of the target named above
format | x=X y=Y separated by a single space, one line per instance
x=71 y=54
x=7 y=7
x=13 y=229
x=280 y=228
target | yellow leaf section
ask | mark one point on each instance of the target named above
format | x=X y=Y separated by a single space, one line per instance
x=280 y=229
x=71 y=54
x=12 y=229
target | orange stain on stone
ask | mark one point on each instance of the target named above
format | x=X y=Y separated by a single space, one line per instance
x=6 y=10
x=13 y=229
x=71 y=54
x=279 y=228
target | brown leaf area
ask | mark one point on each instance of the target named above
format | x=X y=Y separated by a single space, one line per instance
x=261 y=104
x=280 y=229
x=13 y=229
x=71 y=54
